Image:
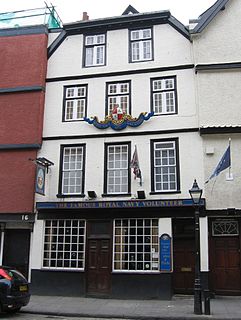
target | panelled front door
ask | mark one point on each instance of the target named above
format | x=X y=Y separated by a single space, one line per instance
x=99 y=260
x=225 y=265
x=184 y=266
x=225 y=257
x=183 y=256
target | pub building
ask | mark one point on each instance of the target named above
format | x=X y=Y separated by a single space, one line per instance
x=115 y=218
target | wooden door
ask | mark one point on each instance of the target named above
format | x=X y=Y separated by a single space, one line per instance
x=184 y=265
x=99 y=267
x=225 y=265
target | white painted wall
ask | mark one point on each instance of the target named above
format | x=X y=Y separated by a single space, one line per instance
x=219 y=97
x=220 y=40
x=204 y=259
x=220 y=192
x=37 y=245
x=174 y=50
x=140 y=102
x=190 y=146
x=219 y=103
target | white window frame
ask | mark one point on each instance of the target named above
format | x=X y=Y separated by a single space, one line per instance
x=75 y=101
x=72 y=174
x=136 y=245
x=95 y=50
x=165 y=166
x=64 y=244
x=164 y=96
x=119 y=95
x=117 y=169
x=141 y=45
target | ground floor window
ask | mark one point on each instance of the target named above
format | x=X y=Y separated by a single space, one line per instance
x=64 y=244
x=136 y=245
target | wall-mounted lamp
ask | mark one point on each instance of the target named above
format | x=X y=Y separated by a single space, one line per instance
x=92 y=194
x=141 y=194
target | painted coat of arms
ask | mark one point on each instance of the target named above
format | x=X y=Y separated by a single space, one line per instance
x=119 y=120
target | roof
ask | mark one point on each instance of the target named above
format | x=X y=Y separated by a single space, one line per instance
x=207 y=16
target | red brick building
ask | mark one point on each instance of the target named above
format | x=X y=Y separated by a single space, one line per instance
x=23 y=57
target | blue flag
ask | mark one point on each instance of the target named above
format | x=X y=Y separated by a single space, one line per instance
x=223 y=164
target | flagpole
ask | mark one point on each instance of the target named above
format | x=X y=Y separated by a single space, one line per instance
x=229 y=168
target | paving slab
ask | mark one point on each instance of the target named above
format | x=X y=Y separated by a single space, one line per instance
x=179 y=307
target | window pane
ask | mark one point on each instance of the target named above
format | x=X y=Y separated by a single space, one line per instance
x=100 y=55
x=164 y=91
x=135 y=35
x=146 y=50
x=89 y=56
x=135 y=51
x=63 y=245
x=165 y=175
x=141 y=49
x=72 y=170
x=117 y=97
x=75 y=107
x=117 y=169
x=131 y=253
x=69 y=110
x=89 y=40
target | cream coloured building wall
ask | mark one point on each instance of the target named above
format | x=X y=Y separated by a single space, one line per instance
x=140 y=102
x=218 y=101
x=220 y=42
x=189 y=147
x=68 y=59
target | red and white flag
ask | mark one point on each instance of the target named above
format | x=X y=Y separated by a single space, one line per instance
x=135 y=165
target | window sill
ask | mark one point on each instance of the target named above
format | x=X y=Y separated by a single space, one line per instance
x=164 y=192
x=73 y=120
x=81 y=195
x=54 y=269
x=164 y=114
x=136 y=272
x=116 y=195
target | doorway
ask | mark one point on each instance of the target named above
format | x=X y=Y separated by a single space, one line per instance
x=16 y=249
x=99 y=258
x=183 y=256
x=225 y=257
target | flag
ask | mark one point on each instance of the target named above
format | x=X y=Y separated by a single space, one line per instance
x=223 y=164
x=135 y=165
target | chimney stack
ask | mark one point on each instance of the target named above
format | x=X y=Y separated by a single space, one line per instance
x=85 y=16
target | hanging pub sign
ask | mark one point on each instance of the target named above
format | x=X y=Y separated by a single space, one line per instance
x=40 y=179
x=165 y=253
x=119 y=120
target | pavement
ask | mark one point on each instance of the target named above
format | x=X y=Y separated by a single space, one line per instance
x=179 y=307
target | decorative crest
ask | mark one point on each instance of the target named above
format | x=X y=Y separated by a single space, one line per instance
x=119 y=120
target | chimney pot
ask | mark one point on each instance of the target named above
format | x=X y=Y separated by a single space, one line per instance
x=85 y=16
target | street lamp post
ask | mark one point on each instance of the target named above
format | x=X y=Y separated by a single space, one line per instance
x=196 y=194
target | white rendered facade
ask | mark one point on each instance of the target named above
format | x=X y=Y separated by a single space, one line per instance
x=170 y=156
x=216 y=50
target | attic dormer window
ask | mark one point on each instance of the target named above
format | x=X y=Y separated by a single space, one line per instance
x=141 y=45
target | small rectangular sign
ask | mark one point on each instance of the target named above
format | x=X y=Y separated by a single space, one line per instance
x=40 y=179
x=165 y=253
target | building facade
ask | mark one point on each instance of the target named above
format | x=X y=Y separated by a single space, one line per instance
x=118 y=88
x=217 y=58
